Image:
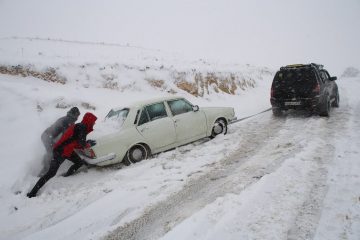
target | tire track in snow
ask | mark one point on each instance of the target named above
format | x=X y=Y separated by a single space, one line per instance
x=308 y=217
x=263 y=147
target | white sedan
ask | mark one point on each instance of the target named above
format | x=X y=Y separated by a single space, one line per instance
x=154 y=126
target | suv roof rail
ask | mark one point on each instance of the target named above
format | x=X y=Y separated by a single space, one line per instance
x=292 y=66
x=319 y=66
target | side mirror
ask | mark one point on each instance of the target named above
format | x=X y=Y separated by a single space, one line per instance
x=195 y=108
x=333 y=78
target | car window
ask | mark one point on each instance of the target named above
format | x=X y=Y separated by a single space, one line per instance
x=326 y=75
x=144 y=117
x=323 y=76
x=118 y=113
x=179 y=106
x=156 y=111
x=291 y=77
x=115 y=118
x=137 y=116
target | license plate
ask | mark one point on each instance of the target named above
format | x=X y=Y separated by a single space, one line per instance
x=292 y=103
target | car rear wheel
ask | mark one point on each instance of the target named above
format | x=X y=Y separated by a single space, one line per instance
x=219 y=127
x=336 y=102
x=276 y=111
x=136 y=154
x=325 y=108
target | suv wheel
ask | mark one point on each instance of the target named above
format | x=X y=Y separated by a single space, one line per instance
x=336 y=102
x=325 y=108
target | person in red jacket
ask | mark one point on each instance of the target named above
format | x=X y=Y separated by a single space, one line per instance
x=53 y=133
x=73 y=138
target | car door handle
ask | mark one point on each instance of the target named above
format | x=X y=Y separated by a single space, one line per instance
x=177 y=120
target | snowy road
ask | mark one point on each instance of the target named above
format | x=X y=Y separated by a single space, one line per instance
x=311 y=190
x=296 y=152
x=264 y=144
x=294 y=177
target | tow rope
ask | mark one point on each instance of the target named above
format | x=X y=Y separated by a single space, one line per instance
x=242 y=119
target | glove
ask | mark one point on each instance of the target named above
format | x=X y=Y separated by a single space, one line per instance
x=91 y=142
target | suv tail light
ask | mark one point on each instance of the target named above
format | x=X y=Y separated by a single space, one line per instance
x=317 y=89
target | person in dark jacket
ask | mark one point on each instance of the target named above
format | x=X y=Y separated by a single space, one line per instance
x=73 y=138
x=54 y=132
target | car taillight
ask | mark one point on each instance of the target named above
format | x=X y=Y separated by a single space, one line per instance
x=88 y=152
x=317 y=89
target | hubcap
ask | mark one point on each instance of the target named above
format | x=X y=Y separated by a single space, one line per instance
x=218 y=128
x=137 y=154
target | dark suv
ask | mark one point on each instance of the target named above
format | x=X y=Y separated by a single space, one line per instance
x=304 y=86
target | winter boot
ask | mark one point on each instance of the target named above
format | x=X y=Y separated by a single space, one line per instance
x=31 y=194
x=37 y=186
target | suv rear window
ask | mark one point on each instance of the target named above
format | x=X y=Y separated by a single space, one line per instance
x=298 y=75
x=289 y=83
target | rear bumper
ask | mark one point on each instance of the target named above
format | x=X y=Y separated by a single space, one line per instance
x=303 y=103
x=97 y=160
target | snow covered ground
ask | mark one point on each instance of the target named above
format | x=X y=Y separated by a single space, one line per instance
x=294 y=177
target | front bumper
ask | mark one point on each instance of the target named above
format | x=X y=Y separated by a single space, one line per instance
x=232 y=120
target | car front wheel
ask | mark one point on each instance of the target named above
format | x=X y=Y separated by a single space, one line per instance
x=219 y=127
x=276 y=111
x=136 y=154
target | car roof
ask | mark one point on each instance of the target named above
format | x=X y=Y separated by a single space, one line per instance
x=297 y=66
x=139 y=104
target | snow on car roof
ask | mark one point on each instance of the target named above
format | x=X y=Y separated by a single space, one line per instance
x=149 y=101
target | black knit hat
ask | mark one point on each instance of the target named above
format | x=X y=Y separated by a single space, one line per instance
x=74 y=112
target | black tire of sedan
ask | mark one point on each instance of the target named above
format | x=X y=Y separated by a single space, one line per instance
x=276 y=111
x=219 y=127
x=325 y=108
x=136 y=154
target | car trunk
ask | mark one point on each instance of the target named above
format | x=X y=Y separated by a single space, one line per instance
x=294 y=84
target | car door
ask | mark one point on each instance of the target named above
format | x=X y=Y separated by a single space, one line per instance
x=328 y=85
x=156 y=126
x=189 y=124
x=332 y=85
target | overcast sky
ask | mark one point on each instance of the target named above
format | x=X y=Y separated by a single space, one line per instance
x=267 y=32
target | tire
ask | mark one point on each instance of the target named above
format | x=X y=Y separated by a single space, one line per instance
x=336 y=102
x=135 y=154
x=219 y=127
x=325 y=108
x=276 y=111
